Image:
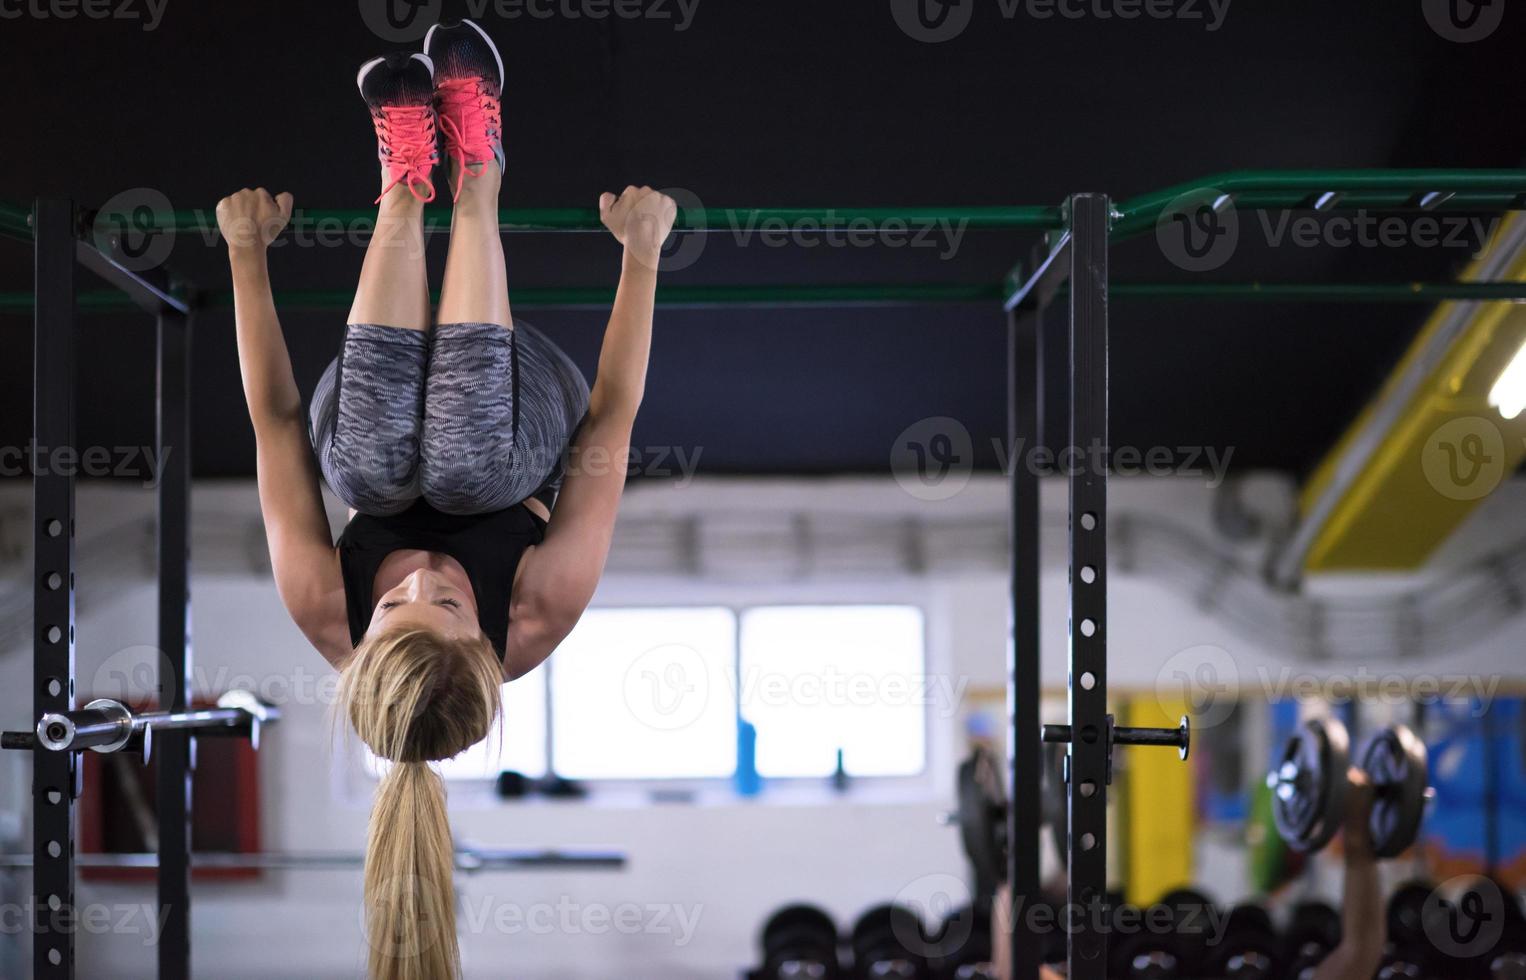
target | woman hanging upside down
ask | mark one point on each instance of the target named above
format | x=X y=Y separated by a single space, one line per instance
x=471 y=551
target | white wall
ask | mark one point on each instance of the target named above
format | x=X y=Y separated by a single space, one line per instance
x=715 y=867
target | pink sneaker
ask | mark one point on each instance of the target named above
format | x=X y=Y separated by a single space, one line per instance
x=399 y=89
x=468 y=83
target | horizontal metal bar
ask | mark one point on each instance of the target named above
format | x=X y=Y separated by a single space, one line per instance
x=737 y=221
x=1341 y=189
x=107 y=725
x=703 y=297
x=149 y=291
x=1333 y=292
x=15 y=221
x=1357 y=189
x=468 y=860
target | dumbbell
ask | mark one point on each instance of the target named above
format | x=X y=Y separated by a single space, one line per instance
x=800 y=943
x=1407 y=943
x=1314 y=930
x=882 y=943
x=960 y=949
x=1309 y=786
x=1143 y=954
x=1250 y=948
x=1453 y=924
x=1193 y=914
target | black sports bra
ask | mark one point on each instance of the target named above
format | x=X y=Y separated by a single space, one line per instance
x=488 y=546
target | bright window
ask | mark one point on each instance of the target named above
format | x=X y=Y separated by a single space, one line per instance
x=520 y=742
x=646 y=694
x=654 y=693
x=816 y=679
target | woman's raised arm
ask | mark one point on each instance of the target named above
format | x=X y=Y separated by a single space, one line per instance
x=302 y=553
x=556 y=580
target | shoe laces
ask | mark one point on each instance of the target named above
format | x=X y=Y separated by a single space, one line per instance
x=472 y=121
x=407 y=137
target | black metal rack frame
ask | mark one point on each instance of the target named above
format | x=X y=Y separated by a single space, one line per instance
x=1073 y=268
x=60 y=246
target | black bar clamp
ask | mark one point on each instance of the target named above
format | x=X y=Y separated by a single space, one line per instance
x=1179 y=738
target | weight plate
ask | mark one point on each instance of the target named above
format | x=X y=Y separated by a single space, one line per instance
x=983 y=816
x=1309 y=784
x=1396 y=763
x=1056 y=800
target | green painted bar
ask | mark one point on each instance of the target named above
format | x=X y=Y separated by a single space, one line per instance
x=593 y=297
x=1485 y=189
x=735 y=221
x=1376 y=292
x=15 y=221
x=700 y=297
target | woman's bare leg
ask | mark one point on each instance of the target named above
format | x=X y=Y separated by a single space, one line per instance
x=476 y=286
x=394 y=283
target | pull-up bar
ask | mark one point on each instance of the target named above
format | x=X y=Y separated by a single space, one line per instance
x=863 y=295
x=1320 y=190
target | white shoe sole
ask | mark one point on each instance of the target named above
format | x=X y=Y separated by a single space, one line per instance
x=493 y=47
x=360 y=76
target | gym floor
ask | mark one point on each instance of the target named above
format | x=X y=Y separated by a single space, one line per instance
x=1316 y=523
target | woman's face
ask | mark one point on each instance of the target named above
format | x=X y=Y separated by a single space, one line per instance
x=428 y=599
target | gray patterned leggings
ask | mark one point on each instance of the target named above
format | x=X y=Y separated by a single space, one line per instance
x=472 y=417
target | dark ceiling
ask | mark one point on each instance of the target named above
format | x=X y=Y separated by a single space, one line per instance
x=780 y=103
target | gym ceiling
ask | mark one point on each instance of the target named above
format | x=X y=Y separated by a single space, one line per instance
x=798 y=103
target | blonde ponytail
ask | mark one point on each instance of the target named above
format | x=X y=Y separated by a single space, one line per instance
x=415 y=697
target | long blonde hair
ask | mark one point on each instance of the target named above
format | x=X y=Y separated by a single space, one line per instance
x=415 y=697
